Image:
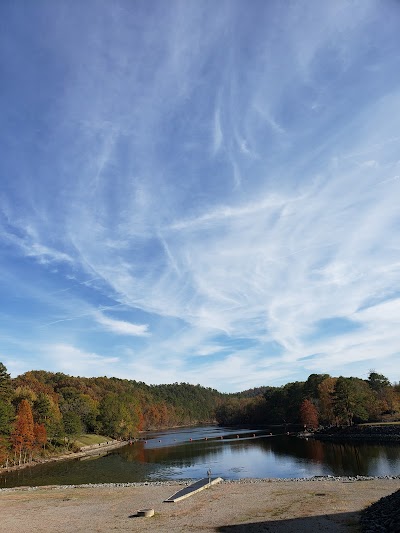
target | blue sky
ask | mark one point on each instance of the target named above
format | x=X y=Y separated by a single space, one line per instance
x=200 y=191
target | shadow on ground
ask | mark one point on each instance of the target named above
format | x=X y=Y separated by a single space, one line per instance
x=334 y=523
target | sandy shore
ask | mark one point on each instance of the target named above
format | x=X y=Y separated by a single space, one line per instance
x=274 y=506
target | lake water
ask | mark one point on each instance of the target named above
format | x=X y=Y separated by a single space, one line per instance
x=169 y=455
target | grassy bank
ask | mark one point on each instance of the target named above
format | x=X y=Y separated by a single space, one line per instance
x=90 y=440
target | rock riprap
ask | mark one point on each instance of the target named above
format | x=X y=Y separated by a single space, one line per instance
x=382 y=516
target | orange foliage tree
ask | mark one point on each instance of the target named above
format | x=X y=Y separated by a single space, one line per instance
x=3 y=452
x=325 y=395
x=23 y=436
x=308 y=414
x=40 y=434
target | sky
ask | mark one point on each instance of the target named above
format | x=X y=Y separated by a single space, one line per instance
x=199 y=191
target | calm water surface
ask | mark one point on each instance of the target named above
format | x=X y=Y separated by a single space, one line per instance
x=171 y=455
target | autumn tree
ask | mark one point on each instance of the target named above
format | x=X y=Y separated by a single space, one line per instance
x=23 y=392
x=383 y=391
x=151 y=416
x=4 y=449
x=23 y=436
x=308 y=414
x=311 y=386
x=40 y=434
x=325 y=396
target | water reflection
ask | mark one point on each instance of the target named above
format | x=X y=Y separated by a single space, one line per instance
x=172 y=455
x=339 y=459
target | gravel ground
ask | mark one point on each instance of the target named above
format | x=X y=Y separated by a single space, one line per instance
x=251 y=505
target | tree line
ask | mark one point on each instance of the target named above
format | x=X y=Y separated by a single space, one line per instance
x=42 y=412
x=321 y=400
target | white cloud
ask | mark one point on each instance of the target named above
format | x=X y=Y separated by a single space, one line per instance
x=122 y=327
x=28 y=244
x=75 y=361
x=290 y=218
x=217 y=132
x=208 y=350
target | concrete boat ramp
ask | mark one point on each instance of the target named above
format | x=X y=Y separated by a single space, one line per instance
x=193 y=489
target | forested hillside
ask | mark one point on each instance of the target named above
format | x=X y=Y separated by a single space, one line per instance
x=321 y=400
x=42 y=411
x=41 y=408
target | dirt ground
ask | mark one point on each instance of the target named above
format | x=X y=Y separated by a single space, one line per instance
x=273 y=506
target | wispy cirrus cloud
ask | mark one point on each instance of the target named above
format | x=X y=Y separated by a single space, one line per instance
x=28 y=243
x=229 y=182
x=118 y=327
x=76 y=361
x=122 y=327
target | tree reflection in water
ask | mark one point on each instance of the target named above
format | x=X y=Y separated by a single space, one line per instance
x=171 y=455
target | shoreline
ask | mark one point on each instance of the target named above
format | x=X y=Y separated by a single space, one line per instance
x=186 y=482
x=368 y=433
x=385 y=434
x=86 y=451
